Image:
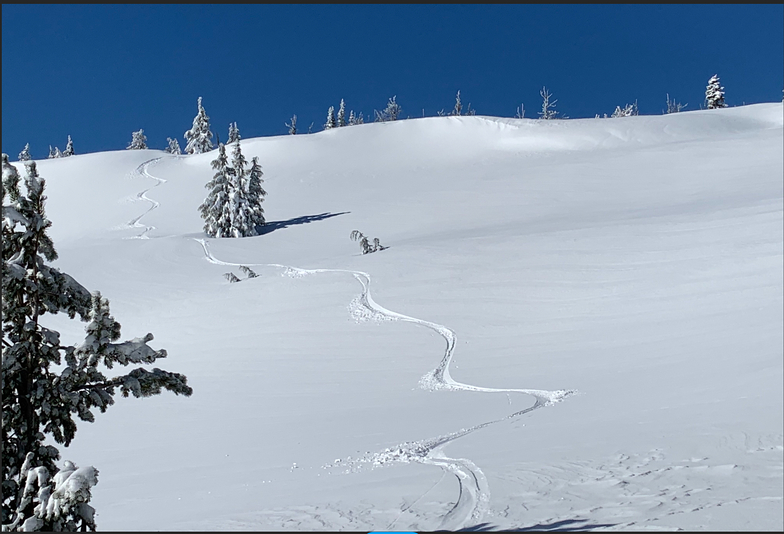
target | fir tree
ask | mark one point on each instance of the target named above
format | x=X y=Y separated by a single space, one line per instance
x=714 y=94
x=69 y=148
x=199 y=137
x=174 y=147
x=242 y=220
x=52 y=152
x=342 y=114
x=234 y=133
x=138 y=141
x=331 y=123
x=292 y=126
x=24 y=155
x=40 y=395
x=256 y=192
x=546 y=112
x=216 y=208
x=355 y=119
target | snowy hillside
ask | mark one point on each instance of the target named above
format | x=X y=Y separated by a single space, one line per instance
x=626 y=274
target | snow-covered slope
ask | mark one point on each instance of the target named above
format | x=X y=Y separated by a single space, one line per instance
x=629 y=271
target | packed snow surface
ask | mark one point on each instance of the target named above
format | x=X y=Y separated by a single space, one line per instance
x=623 y=275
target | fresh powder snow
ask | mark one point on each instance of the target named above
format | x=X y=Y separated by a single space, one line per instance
x=576 y=324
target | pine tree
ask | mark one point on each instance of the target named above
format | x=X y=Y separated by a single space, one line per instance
x=24 y=155
x=40 y=395
x=138 y=141
x=52 y=152
x=292 y=126
x=199 y=137
x=256 y=192
x=216 y=208
x=342 y=114
x=174 y=147
x=546 y=112
x=234 y=133
x=391 y=112
x=714 y=94
x=330 y=119
x=355 y=119
x=69 y=148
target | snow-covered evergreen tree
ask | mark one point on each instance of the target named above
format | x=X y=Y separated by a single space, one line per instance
x=234 y=133
x=40 y=395
x=391 y=112
x=216 y=208
x=458 y=106
x=174 y=147
x=714 y=94
x=292 y=126
x=52 y=152
x=69 y=148
x=256 y=192
x=355 y=119
x=242 y=220
x=138 y=141
x=547 y=113
x=24 y=155
x=331 y=122
x=342 y=114
x=199 y=137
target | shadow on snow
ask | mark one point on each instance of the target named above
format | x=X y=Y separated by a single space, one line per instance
x=271 y=226
x=566 y=525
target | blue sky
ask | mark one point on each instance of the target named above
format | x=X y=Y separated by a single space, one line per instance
x=100 y=72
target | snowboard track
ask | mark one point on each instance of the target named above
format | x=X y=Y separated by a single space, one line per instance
x=474 y=494
x=141 y=172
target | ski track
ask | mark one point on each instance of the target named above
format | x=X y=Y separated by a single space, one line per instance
x=474 y=493
x=141 y=171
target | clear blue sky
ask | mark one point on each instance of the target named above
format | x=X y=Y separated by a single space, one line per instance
x=100 y=72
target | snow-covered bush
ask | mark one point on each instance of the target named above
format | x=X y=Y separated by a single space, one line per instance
x=292 y=126
x=199 y=137
x=364 y=243
x=673 y=106
x=391 y=112
x=714 y=94
x=629 y=110
x=45 y=382
x=138 y=141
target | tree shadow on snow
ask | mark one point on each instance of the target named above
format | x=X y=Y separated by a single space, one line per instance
x=566 y=525
x=271 y=226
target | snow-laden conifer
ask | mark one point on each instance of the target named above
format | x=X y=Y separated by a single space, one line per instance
x=174 y=147
x=714 y=94
x=52 y=152
x=629 y=110
x=331 y=123
x=138 y=141
x=234 y=133
x=216 y=208
x=45 y=382
x=547 y=113
x=256 y=192
x=243 y=220
x=391 y=112
x=24 y=155
x=355 y=119
x=341 y=121
x=292 y=126
x=69 y=148
x=199 y=137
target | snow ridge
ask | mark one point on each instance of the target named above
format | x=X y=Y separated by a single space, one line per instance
x=474 y=494
x=141 y=171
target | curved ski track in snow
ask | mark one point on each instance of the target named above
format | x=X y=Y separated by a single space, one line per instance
x=141 y=171
x=474 y=493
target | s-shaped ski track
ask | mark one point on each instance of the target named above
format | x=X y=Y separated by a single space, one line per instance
x=141 y=171
x=474 y=493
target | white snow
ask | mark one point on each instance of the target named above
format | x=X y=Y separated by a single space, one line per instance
x=623 y=275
